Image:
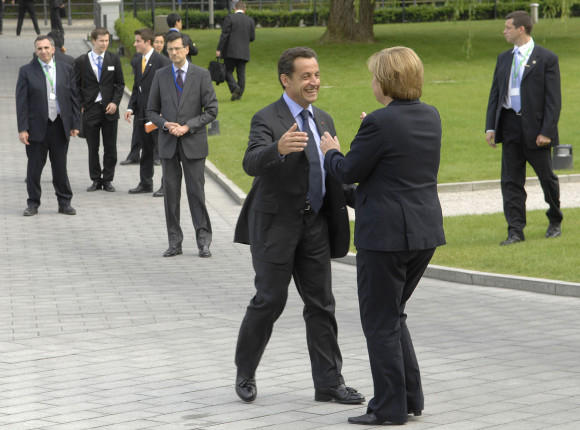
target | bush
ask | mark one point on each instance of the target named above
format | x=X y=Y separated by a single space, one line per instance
x=126 y=33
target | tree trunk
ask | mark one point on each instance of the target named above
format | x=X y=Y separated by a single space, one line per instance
x=350 y=21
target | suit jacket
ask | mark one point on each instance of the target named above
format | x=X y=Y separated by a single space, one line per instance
x=111 y=85
x=59 y=56
x=270 y=219
x=395 y=159
x=198 y=107
x=32 y=104
x=238 y=31
x=192 y=48
x=539 y=91
x=143 y=81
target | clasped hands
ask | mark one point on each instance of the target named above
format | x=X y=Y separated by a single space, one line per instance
x=176 y=129
x=295 y=140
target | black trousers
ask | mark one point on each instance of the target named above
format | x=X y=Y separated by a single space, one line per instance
x=515 y=154
x=148 y=144
x=386 y=281
x=135 y=151
x=55 y=19
x=55 y=145
x=23 y=7
x=96 y=123
x=310 y=268
x=173 y=171
x=240 y=67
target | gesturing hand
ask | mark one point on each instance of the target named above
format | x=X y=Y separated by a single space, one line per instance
x=327 y=142
x=292 y=141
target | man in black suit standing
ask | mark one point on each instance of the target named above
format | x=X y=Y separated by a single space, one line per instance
x=23 y=7
x=182 y=102
x=176 y=25
x=55 y=20
x=149 y=62
x=234 y=46
x=47 y=108
x=100 y=81
x=522 y=113
x=295 y=220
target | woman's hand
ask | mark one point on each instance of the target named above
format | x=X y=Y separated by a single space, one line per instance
x=327 y=142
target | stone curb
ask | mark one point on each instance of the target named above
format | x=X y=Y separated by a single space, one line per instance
x=495 y=184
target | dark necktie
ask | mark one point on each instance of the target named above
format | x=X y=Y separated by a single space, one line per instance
x=315 y=175
x=99 y=66
x=179 y=81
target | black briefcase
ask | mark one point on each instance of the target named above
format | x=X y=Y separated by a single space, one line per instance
x=217 y=70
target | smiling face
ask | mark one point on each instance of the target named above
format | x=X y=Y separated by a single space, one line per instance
x=141 y=46
x=159 y=43
x=44 y=50
x=304 y=83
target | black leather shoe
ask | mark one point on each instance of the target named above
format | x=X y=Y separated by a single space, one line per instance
x=159 y=193
x=236 y=94
x=96 y=185
x=107 y=186
x=340 y=394
x=140 y=189
x=173 y=250
x=416 y=412
x=30 y=211
x=512 y=238
x=128 y=161
x=204 y=252
x=370 y=420
x=246 y=387
x=67 y=210
x=554 y=230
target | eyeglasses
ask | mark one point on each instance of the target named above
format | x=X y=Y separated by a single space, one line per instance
x=175 y=49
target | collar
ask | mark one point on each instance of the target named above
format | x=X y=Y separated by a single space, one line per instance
x=148 y=55
x=525 y=47
x=96 y=55
x=42 y=63
x=294 y=107
x=184 y=68
x=174 y=29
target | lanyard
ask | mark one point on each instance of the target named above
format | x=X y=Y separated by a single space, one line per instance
x=47 y=74
x=97 y=64
x=524 y=58
x=175 y=79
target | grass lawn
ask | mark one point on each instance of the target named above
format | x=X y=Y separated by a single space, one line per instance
x=457 y=84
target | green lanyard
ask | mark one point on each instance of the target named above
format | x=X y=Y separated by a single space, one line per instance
x=517 y=71
x=48 y=75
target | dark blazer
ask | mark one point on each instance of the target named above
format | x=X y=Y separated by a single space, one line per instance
x=32 y=105
x=192 y=48
x=270 y=219
x=111 y=85
x=539 y=92
x=60 y=57
x=238 y=31
x=395 y=159
x=198 y=107
x=143 y=81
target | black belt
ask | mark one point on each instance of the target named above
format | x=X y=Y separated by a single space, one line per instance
x=56 y=119
x=512 y=112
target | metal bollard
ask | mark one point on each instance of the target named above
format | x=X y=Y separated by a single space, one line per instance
x=534 y=11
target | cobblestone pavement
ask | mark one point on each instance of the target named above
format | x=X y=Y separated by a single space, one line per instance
x=97 y=330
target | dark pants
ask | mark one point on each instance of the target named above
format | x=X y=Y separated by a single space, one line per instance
x=23 y=7
x=310 y=268
x=148 y=144
x=95 y=123
x=515 y=153
x=55 y=19
x=240 y=67
x=386 y=281
x=135 y=151
x=55 y=145
x=193 y=170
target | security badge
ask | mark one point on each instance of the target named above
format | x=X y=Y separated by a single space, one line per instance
x=52 y=96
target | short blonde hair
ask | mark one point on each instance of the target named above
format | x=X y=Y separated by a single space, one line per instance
x=399 y=71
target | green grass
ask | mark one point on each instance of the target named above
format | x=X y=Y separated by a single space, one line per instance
x=457 y=85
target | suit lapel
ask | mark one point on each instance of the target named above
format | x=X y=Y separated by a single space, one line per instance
x=171 y=84
x=284 y=114
x=531 y=64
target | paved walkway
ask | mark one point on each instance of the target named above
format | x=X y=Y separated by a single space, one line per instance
x=98 y=331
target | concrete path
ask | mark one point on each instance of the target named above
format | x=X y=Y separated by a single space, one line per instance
x=98 y=331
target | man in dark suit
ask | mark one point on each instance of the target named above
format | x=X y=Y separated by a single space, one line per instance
x=55 y=20
x=176 y=25
x=522 y=113
x=23 y=7
x=100 y=80
x=182 y=102
x=295 y=220
x=145 y=68
x=47 y=108
x=234 y=46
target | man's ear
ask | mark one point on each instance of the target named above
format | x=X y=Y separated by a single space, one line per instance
x=284 y=79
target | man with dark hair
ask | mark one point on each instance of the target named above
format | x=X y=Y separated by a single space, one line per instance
x=182 y=102
x=55 y=20
x=159 y=42
x=23 y=7
x=176 y=25
x=522 y=113
x=295 y=220
x=100 y=81
x=148 y=63
x=47 y=109
x=60 y=52
x=238 y=31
